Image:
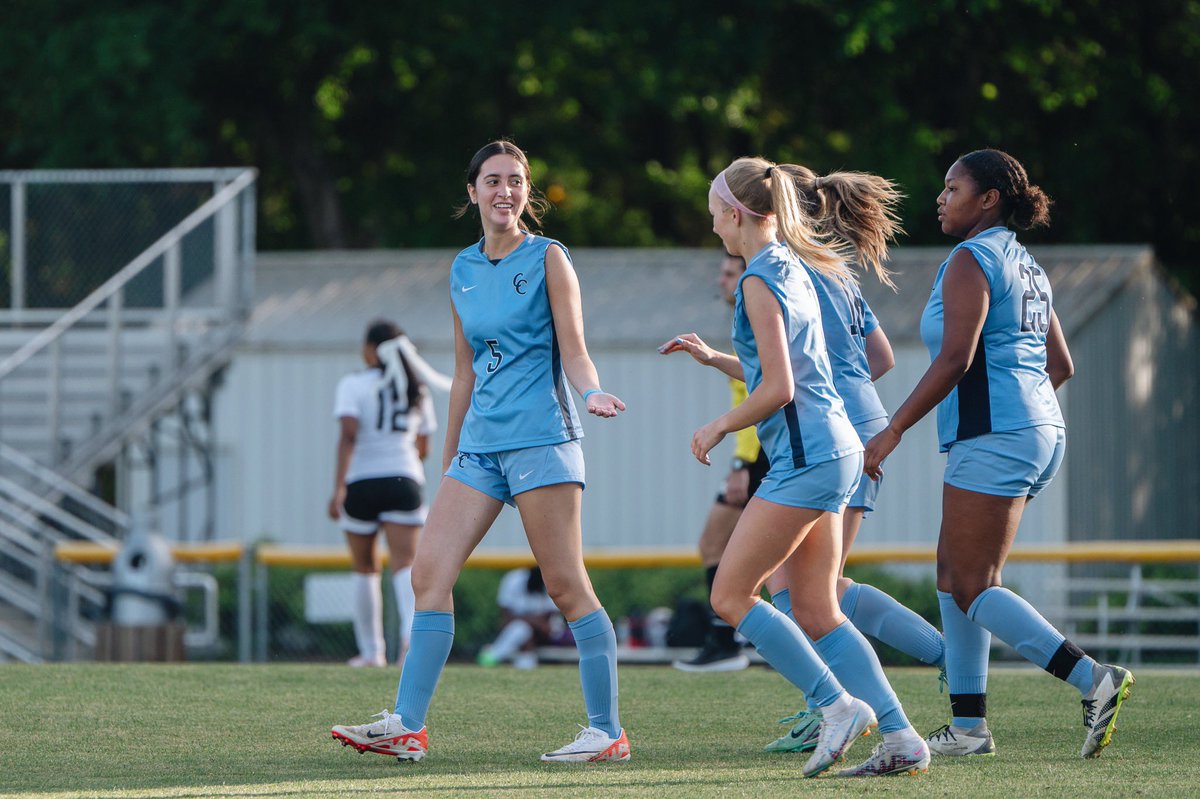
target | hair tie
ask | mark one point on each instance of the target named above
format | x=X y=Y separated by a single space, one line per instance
x=818 y=183
x=770 y=170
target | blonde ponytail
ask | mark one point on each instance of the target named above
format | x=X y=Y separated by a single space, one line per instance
x=854 y=211
x=759 y=186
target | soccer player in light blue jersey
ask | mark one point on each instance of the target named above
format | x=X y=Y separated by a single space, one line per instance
x=998 y=355
x=512 y=437
x=815 y=458
x=859 y=209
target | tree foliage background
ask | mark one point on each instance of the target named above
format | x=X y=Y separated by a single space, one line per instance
x=362 y=116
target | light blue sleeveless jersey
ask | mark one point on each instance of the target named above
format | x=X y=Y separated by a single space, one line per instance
x=520 y=398
x=813 y=427
x=1007 y=387
x=847 y=321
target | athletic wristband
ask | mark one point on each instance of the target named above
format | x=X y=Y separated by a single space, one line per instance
x=592 y=391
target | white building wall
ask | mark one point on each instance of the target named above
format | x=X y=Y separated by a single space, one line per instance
x=275 y=459
x=276 y=439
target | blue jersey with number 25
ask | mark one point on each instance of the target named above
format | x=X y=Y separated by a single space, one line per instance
x=1007 y=387
x=520 y=398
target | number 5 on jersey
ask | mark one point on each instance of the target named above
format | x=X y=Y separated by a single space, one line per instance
x=497 y=356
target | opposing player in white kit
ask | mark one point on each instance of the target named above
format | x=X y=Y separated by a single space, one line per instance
x=385 y=416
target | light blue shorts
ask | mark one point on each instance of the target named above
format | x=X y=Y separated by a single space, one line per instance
x=1016 y=463
x=868 y=490
x=503 y=475
x=822 y=486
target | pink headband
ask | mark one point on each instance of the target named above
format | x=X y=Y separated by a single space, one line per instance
x=721 y=187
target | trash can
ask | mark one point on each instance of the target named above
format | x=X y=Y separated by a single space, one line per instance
x=143 y=603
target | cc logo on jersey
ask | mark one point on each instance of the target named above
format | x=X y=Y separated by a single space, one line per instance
x=519 y=283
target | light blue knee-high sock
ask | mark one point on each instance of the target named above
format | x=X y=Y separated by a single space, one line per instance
x=1015 y=622
x=782 y=600
x=967 y=646
x=597 y=644
x=880 y=616
x=428 y=648
x=783 y=645
x=854 y=663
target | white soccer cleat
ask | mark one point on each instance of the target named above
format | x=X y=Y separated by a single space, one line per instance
x=950 y=741
x=591 y=745
x=388 y=736
x=1110 y=687
x=838 y=732
x=888 y=760
x=360 y=662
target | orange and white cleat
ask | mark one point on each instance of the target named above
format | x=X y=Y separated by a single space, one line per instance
x=591 y=745
x=388 y=736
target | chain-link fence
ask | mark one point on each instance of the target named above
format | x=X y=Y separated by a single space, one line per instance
x=305 y=604
x=62 y=234
x=295 y=605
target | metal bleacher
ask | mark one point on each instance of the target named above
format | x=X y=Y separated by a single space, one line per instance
x=81 y=386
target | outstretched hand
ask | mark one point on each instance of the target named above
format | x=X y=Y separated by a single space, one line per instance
x=692 y=344
x=604 y=405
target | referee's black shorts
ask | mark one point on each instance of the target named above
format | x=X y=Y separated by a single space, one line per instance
x=758 y=470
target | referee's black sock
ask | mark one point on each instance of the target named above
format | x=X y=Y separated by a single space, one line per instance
x=720 y=634
x=710 y=574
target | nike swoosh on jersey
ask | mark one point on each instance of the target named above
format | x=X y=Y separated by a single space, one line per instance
x=465 y=289
x=523 y=476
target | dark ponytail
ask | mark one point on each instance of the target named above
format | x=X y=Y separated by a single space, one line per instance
x=1023 y=204
x=382 y=330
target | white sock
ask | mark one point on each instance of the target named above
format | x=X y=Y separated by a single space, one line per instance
x=838 y=706
x=406 y=602
x=368 y=614
x=511 y=638
x=902 y=737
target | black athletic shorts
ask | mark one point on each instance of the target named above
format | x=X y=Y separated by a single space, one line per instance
x=758 y=470
x=397 y=500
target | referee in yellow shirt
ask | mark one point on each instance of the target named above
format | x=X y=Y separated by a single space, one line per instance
x=720 y=651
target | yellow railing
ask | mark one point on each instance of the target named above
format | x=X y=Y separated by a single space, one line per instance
x=270 y=554
x=1181 y=551
x=86 y=553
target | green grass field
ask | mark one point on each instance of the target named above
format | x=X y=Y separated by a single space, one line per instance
x=92 y=730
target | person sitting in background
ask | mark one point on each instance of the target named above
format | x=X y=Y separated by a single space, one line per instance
x=529 y=617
